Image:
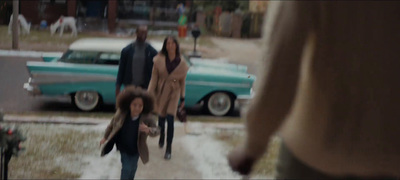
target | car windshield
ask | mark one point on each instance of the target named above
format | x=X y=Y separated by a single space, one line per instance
x=90 y=57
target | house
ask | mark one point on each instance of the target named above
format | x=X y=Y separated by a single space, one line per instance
x=109 y=13
x=258 y=6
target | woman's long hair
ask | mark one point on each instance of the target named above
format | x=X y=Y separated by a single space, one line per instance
x=164 y=47
x=130 y=93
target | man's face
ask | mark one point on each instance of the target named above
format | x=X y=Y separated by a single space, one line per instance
x=141 y=34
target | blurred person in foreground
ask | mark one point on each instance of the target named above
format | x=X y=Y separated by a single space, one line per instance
x=329 y=88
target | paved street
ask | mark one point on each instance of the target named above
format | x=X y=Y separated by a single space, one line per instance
x=13 y=97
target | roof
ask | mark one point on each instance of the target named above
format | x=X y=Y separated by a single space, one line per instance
x=106 y=44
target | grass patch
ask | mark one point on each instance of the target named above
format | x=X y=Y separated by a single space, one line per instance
x=64 y=114
x=215 y=119
x=53 y=151
x=207 y=119
x=41 y=36
x=266 y=165
x=45 y=42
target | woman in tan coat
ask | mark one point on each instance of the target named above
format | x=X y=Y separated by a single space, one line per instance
x=167 y=84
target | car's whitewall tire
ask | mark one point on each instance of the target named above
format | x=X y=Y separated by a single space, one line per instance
x=86 y=100
x=219 y=104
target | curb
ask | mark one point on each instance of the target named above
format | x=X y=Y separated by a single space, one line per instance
x=32 y=54
x=54 y=120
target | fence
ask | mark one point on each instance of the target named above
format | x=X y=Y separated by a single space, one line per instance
x=237 y=25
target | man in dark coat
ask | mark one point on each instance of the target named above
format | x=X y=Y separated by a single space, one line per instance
x=136 y=62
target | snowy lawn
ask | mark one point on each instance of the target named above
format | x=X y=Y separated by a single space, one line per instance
x=72 y=151
x=266 y=166
x=54 y=151
x=41 y=40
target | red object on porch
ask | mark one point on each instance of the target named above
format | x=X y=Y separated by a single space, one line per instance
x=182 y=31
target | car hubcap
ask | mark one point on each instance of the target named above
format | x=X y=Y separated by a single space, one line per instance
x=86 y=100
x=219 y=104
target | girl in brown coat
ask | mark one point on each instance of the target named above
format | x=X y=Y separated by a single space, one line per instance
x=129 y=129
x=167 y=84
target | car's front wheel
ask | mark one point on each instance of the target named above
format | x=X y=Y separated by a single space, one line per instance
x=86 y=100
x=219 y=104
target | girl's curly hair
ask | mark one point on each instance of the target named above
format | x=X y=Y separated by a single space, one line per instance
x=125 y=98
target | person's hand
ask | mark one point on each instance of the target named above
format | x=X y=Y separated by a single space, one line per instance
x=240 y=161
x=144 y=128
x=116 y=92
x=182 y=105
x=102 y=141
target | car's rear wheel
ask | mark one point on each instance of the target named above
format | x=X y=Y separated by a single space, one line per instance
x=86 y=100
x=219 y=104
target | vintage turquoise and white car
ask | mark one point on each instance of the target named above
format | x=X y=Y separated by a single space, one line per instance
x=87 y=73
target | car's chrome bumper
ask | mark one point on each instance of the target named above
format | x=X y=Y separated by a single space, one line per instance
x=32 y=89
x=244 y=100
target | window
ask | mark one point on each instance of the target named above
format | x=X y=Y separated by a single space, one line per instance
x=133 y=9
x=60 y=1
x=54 y=1
x=79 y=57
x=87 y=57
x=108 y=59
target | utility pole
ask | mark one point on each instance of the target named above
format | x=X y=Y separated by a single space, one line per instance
x=15 y=25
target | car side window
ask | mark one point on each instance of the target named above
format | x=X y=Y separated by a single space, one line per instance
x=108 y=59
x=80 y=57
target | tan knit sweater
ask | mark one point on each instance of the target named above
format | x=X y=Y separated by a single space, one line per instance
x=329 y=81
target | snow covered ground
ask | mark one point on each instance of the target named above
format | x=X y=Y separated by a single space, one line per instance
x=193 y=156
x=197 y=155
